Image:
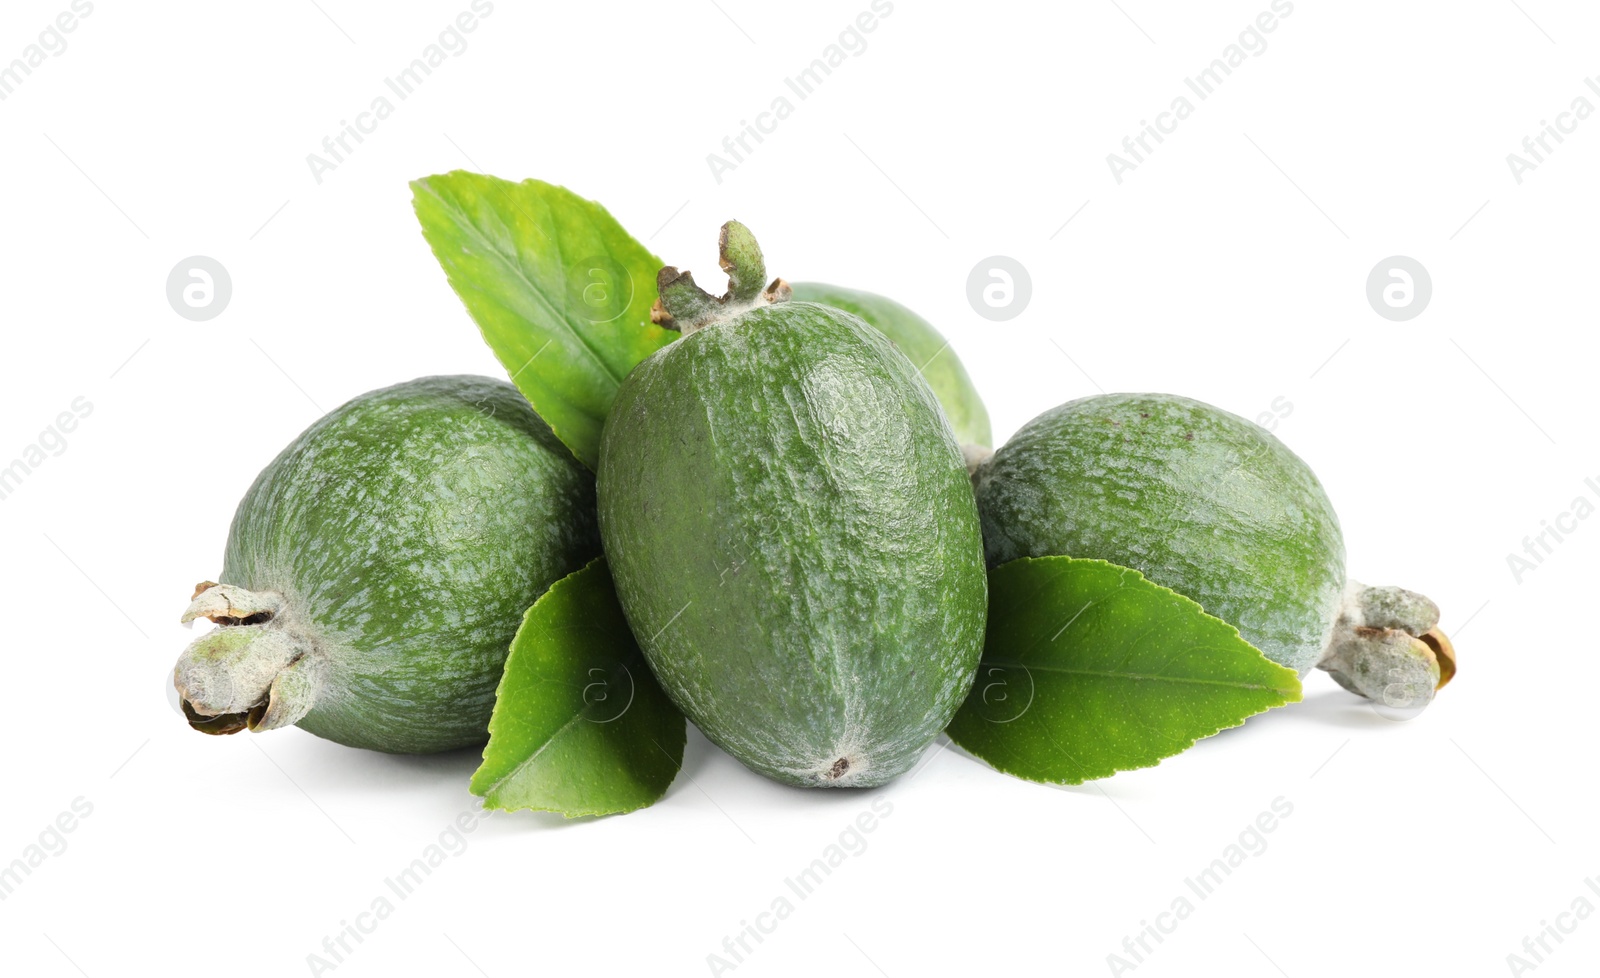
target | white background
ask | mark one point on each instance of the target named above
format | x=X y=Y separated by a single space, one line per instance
x=1230 y=266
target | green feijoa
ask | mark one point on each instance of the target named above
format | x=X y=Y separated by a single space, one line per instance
x=1197 y=499
x=378 y=568
x=792 y=533
x=1216 y=508
x=923 y=345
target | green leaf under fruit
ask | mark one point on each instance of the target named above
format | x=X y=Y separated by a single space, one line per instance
x=1089 y=669
x=579 y=726
x=560 y=290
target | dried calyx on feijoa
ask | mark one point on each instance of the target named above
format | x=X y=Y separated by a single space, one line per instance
x=1219 y=510
x=794 y=540
x=378 y=568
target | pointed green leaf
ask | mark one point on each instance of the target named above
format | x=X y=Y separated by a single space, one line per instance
x=561 y=292
x=579 y=726
x=1090 y=669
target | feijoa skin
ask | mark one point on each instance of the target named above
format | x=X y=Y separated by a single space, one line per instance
x=923 y=345
x=1197 y=499
x=378 y=568
x=792 y=533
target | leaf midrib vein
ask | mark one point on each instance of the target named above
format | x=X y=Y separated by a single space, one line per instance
x=514 y=262
x=516 y=772
x=1036 y=667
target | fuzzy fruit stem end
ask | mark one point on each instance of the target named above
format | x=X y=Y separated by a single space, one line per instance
x=686 y=307
x=254 y=671
x=1386 y=646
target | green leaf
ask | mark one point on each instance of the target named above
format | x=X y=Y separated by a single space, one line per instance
x=1089 y=669
x=561 y=292
x=579 y=726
